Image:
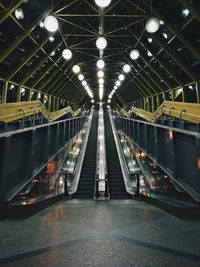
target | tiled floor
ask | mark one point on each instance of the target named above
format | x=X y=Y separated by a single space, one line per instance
x=88 y=233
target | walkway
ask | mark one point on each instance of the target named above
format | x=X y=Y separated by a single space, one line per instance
x=88 y=233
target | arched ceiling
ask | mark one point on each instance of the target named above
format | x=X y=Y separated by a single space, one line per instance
x=169 y=58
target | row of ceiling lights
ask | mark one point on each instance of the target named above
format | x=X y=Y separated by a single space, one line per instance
x=51 y=24
x=121 y=77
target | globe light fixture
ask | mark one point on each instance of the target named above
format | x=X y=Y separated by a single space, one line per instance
x=126 y=68
x=92 y=100
x=149 y=40
x=51 y=39
x=118 y=83
x=165 y=35
x=101 y=43
x=152 y=25
x=101 y=80
x=76 y=69
x=87 y=87
x=84 y=83
x=149 y=54
x=121 y=77
x=109 y=101
x=19 y=13
x=81 y=77
x=185 y=12
x=100 y=64
x=100 y=74
x=52 y=54
x=134 y=54
x=102 y=3
x=41 y=24
x=51 y=24
x=115 y=87
x=101 y=85
x=67 y=54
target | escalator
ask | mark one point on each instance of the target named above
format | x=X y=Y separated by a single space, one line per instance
x=87 y=177
x=115 y=179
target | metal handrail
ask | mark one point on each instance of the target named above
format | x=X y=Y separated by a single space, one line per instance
x=192 y=113
x=10 y=112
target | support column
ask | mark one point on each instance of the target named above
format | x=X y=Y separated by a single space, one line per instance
x=198 y=92
x=29 y=95
x=49 y=104
x=43 y=99
x=53 y=104
x=159 y=100
x=18 y=94
x=153 y=103
x=173 y=94
x=185 y=96
x=57 y=103
x=37 y=96
x=4 y=92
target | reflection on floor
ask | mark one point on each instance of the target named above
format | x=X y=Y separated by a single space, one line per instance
x=89 y=233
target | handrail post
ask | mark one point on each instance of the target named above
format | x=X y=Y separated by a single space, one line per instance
x=181 y=120
x=33 y=115
x=170 y=116
x=24 y=115
x=163 y=106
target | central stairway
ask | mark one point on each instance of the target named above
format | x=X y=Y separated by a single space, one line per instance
x=115 y=179
x=87 y=179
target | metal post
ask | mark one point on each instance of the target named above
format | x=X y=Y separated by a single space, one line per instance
x=24 y=114
x=4 y=93
x=18 y=94
x=170 y=116
x=33 y=115
x=198 y=92
x=181 y=122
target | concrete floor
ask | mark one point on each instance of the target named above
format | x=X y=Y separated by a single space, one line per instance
x=88 y=233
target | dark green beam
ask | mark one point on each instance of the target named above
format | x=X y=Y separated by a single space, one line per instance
x=145 y=78
x=27 y=58
x=21 y=37
x=155 y=69
x=179 y=61
x=8 y=11
x=194 y=10
x=39 y=63
x=162 y=61
x=175 y=30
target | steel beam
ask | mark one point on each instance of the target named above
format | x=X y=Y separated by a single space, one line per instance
x=39 y=63
x=173 y=28
x=21 y=37
x=179 y=61
x=198 y=91
x=8 y=11
x=162 y=61
x=4 y=92
x=194 y=10
x=28 y=57
x=155 y=69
